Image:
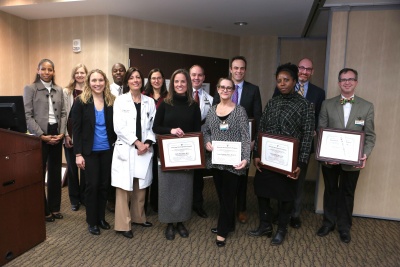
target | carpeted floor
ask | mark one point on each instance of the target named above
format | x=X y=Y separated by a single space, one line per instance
x=374 y=242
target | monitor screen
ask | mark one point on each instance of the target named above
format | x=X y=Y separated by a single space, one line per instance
x=12 y=113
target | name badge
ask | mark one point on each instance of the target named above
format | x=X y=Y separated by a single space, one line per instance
x=359 y=122
x=224 y=126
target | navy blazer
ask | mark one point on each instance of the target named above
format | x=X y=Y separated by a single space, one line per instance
x=83 y=121
x=250 y=100
x=315 y=95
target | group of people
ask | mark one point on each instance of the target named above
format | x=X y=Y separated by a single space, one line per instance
x=109 y=135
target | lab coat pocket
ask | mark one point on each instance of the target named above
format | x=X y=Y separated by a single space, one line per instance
x=122 y=150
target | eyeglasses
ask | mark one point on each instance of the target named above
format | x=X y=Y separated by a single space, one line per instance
x=227 y=88
x=156 y=78
x=301 y=68
x=347 y=80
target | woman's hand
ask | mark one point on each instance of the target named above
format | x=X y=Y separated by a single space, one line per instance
x=256 y=162
x=296 y=174
x=68 y=142
x=209 y=147
x=80 y=162
x=178 y=132
x=141 y=148
x=241 y=165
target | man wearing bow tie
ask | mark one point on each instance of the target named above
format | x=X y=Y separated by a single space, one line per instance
x=349 y=112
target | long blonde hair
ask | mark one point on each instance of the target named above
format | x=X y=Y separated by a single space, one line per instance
x=72 y=83
x=86 y=95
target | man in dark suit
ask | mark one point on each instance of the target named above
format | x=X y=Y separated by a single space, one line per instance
x=315 y=96
x=348 y=112
x=248 y=96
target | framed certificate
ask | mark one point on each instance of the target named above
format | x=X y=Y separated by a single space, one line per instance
x=342 y=146
x=278 y=153
x=226 y=153
x=252 y=128
x=181 y=153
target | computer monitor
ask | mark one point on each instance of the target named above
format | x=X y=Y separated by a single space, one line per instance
x=12 y=113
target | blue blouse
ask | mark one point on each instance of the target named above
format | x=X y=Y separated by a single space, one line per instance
x=100 y=140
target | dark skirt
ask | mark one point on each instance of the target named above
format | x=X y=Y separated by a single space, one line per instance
x=269 y=184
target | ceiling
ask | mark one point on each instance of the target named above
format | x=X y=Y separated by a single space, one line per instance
x=283 y=18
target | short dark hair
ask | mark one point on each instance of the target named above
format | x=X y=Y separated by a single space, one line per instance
x=125 y=87
x=346 y=70
x=195 y=65
x=122 y=65
x=290 y=68
x=240 y=58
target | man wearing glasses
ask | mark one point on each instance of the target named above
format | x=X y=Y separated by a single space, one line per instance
x=315 y=96
x=349 y=112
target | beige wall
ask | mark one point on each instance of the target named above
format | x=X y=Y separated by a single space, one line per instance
x=369 y=41
x=13 y=54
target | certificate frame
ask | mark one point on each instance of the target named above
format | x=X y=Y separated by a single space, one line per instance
x=165 y=141
x=252 y=128
x=292 y=145
x=354 y=150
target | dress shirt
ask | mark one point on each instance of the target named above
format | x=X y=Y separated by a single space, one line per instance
x=305 y=88
x=240 y=89
x=346 y=111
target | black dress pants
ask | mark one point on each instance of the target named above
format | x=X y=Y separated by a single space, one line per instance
x=265 y=212
x=226 y=184
x=340 y=187
x=98 y=178
x=52 y=158
x=76 y=183
x=198 y=185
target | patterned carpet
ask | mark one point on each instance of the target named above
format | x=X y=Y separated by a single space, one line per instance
x=374 y=242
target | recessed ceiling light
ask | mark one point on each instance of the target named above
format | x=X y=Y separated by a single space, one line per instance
x=240 y=23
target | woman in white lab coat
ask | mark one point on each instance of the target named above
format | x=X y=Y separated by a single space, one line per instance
x=133 y=152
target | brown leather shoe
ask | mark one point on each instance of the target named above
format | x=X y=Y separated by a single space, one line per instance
x=242 y=217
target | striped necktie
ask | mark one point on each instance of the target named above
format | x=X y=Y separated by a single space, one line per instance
x=301 y=90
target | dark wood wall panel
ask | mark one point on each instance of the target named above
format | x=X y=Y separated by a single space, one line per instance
x=146 y=60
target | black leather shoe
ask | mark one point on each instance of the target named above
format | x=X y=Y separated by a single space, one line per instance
x=262 y=230
x=220 y=243
x=214 y=230
x=145 y=224
x=201 y=212
x=279 y=237
x=182 y=231
x=345 y=236
x=75 y=207
x=94 y=230
x=49 y=218
x=295 y=222
x=170 y=232
x=127 y=234
x=58 y=216
x=324 y=230
x=104 y=225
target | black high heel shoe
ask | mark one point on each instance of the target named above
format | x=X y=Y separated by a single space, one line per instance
x=220 y=243
x=49 y=218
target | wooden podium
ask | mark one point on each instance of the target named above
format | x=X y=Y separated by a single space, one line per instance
x=22 y=224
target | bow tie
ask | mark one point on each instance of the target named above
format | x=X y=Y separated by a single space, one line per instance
x=347 y=100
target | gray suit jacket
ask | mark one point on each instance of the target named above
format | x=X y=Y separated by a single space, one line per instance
x=332 y=116
x=36 y=98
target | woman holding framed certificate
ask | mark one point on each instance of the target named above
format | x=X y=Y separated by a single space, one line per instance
x=131 y=171
x=287 y=115
x=177 y=114
x=228 y=140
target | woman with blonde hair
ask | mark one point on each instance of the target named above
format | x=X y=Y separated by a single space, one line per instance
x=76 y=181
x=92 y=116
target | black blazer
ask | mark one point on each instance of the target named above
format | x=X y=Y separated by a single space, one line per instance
x=315 y=95
x=250 y=100
x=83 y=120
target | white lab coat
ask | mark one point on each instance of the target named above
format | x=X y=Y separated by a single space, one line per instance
x=126 y=163
x=206 y=101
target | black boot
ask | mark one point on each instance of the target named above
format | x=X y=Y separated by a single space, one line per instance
x=263 y=229
x=279 y=237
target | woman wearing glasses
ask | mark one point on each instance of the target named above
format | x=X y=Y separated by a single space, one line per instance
x=225 y=122
x=156 y=89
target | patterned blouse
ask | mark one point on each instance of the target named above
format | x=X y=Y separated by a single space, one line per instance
x=289 y=115
x=238 y=131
